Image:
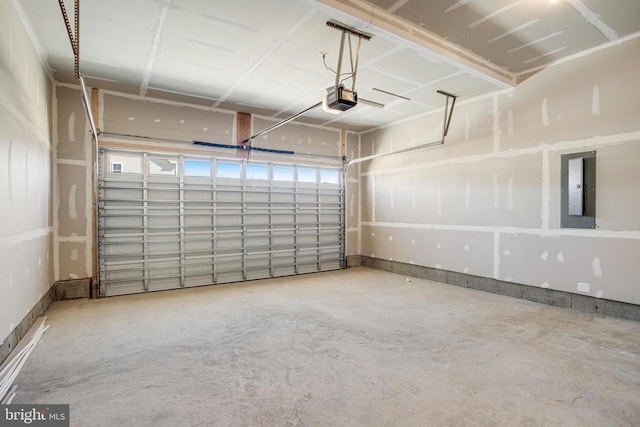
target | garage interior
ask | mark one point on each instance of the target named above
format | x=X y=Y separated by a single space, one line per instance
x=412 y=213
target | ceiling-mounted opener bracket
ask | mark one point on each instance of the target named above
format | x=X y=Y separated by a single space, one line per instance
x=448 y=112
x=347 y=32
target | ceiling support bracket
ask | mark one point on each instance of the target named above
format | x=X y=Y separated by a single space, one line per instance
x=448 y=113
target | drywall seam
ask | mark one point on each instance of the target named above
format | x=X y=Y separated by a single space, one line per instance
x=11 y=240
x=444 y=50
x=496 y=254
x=100 y=109
x=271 y=50
x=35 y=42
x=73 y=162
x=155 y=45
x=295 y=123
x=459 y=103
x=582 y=144
x=561 y=232
x=25 y=122
x=161 y=101
x=373 y=198
x=88 y=211
x=360 y=195
x=546 y=191
x=55 y=197
x=73 y=239
x=581 y=54
x=496 y=124
x=594 y=19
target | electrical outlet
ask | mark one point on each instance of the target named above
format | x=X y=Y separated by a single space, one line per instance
x=583 y=287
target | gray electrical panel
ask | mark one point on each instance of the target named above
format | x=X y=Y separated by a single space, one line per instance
x=578 y=190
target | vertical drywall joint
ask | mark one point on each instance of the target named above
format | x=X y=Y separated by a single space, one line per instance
x=496 y=124
x=546 y=191
x=360 y=182
x=496 y=255
x=93 y=166
x=55 y=183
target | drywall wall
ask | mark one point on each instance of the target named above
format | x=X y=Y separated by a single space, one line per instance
x=168 y=125
x=488 y=202
x=352 y=195
x=25 y=173
x=73 y=168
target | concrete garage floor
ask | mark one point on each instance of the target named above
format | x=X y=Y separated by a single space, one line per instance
x=359 y=347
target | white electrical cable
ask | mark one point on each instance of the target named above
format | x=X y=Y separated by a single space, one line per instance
x=12 y=367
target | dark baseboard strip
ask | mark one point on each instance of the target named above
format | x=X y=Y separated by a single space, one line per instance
x=11 y=341
x=554 y=297
x=63 y=290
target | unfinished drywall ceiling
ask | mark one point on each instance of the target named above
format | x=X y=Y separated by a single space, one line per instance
x=519 y=35
x=260 y=57
x=266 y=57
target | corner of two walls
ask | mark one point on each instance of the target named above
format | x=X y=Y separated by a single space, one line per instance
x=72 y=177
x=488 y=202
x=26 y=250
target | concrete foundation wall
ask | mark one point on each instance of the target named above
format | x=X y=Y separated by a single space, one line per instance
x=488 y=202
x=26 y=257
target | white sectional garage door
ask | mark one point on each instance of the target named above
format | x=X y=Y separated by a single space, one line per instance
x=172 y=221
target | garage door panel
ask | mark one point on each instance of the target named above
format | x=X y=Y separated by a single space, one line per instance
x=166 y=221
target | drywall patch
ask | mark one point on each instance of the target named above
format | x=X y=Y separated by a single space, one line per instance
x=507 y=252
x=510 y=130
x=73 y=212
x=71 y=127
x=351 y=205
x=599 y=293
x=74 y=255
x=560 y=257
x=544 y=112
x=595 y=101
x=496 y=124
x=595 y=266
x=466 y=248
x=544 y=285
